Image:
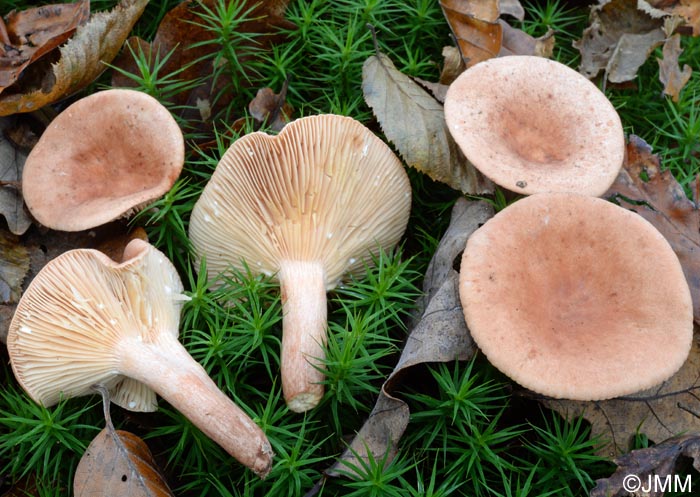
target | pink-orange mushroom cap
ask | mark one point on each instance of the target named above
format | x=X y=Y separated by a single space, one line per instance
x=534 y=125
x=104 y=157
x=575 y=297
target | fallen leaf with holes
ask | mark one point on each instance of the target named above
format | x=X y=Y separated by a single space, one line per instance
x=670 y=74
x=660 y=413
x=43 y=246
x=185 y=48
x=32 y=33
x=79 y=62
x=661 y=460
x=11 y=164
x=118 y=462
x=415 y=123
x=618 y=41
x=656 y=196
x=440 y=335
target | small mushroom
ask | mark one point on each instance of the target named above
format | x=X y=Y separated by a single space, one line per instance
x=575 y=297
x=533 y=125
x=104 y=157
x=86 y=320
x=309 y=206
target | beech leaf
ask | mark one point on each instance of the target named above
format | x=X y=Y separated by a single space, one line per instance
x=81 y=60
x=476 y=28
x=415 y=123
x=655 y=195
x=440 y=335
x=118 y=462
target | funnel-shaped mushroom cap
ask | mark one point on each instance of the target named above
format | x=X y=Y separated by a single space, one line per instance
x=309 y=205
x=104 y=157
x=70 y=323
x=325 y=189
x=574 y=297
x=534 y=125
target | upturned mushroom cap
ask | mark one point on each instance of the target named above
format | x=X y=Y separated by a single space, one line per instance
x=325 y=189
x=533 y=125
x=87 y=320
x=105 y=156
x=310 y=206
x=574 y=297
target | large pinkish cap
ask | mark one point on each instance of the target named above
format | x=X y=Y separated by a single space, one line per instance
x=104 y=157
x=534 y=125
x=574 y=297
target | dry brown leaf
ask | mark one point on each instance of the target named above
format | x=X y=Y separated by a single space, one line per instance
x=11 y=164
x=119 y=463
x=656 y=196
x=415 y=123
x=80 y=61
x=618 y=41
x=518 y=42
x=34 y=32
x=673 y=78
x=643 y=465
x=43 y=246
x=452 y=66
x=475 y=27
x=512 y=8
x=440 y=335
x=271 y=108
x=662 y=412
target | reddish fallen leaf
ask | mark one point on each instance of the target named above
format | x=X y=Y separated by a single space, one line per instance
x=118 y=462
x=656 y=196
x=673 y=78
x=34 y=32
x=643 y=467
x=189 y=48
x=476 y=28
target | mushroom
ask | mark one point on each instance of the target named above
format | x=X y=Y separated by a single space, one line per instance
x=86 y=320
x=105 y=156
x=309 y=206
x=533 y=125
x=575 y=297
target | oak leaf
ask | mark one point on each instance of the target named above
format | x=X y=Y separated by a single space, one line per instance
x=415 y=123
x=440 y=335
x=662 y=412
x=80 y=60
x=642 y=186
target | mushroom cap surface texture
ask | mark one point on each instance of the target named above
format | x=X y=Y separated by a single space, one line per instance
x=69 y=324
x=575 y=297
x=534 y=125
x=103 y=157
x=325 y=189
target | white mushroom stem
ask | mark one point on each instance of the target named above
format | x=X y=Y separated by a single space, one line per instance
x=167 y=368
x=304 y=333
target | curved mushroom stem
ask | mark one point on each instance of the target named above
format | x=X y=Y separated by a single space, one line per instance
x=303 y=333
x=167 y=368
